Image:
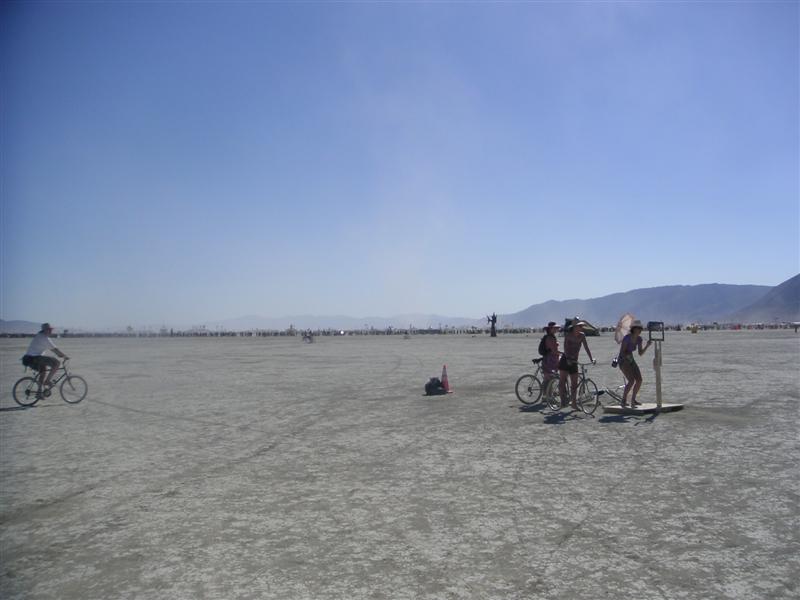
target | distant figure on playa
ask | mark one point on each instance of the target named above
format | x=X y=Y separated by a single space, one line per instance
x=550 y=357
x=574 y=339
x=627 y=362
x=35 y=355
x=493 y=321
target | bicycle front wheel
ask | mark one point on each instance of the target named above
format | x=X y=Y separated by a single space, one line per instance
x=25 y=391
x=553 y=394
x=588 y=398
x=73 y=389
x=528 y=389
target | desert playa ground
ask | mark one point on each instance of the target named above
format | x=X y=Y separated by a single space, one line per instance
x=268 y=468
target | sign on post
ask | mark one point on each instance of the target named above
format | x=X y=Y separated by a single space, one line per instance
x=655 y=333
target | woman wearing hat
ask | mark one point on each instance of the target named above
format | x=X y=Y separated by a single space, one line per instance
x=568 y=365
x=627 y=362
x=550 y=360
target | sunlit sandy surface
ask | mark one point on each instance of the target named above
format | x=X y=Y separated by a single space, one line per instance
x=270 y=468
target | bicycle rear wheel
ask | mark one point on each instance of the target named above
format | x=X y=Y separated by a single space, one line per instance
x=553 y=394
x=25 y=391
x=528 y=389
x=588 y=398
x=73 y=389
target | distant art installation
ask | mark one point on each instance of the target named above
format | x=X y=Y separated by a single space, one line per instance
x=493 y=321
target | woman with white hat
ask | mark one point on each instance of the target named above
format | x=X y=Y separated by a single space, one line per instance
x=550 y=360
x=627 y=362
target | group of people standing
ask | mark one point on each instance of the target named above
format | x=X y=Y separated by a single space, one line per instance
x=565 y=363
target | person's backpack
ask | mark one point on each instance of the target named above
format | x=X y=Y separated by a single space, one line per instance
x=434 y=387
x=543 y=346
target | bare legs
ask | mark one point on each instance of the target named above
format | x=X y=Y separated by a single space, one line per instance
x=562 y=388
x=633 y=381
x=46 y=373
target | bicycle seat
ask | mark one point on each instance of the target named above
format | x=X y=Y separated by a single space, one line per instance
x=536 y=361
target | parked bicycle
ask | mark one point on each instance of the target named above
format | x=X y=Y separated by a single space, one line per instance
x=27 y=390
x=588 y=397
x=530 y=386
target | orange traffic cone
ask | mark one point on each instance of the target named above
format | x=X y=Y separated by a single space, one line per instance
x=445 y=383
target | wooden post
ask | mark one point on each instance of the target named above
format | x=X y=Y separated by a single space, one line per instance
x=657 y=367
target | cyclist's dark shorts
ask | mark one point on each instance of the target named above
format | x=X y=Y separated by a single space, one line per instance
x=568 y=365
x=41 y=362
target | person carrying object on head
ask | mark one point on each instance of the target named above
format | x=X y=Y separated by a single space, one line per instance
x=627 y=362
x=36 y=358
x=574 y=339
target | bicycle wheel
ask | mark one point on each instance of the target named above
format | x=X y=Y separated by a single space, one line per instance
x=588 y=399
x=73 y=389
x=25 y=391
x=553 y=394
x=528 y=389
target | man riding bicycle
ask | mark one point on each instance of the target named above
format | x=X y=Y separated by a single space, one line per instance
x=36 y=359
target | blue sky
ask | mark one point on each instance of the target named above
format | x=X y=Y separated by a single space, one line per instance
x=187 y=162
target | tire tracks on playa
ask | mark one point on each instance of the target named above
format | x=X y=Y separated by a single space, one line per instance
x=610 y=493
x=560 y=550
x=209 y=467
x=400 y=451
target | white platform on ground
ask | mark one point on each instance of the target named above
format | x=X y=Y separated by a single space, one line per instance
x=642 y=409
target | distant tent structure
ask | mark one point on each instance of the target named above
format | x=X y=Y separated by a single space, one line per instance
x=588 y=329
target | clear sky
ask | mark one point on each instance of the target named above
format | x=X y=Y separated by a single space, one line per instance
x=187 y=162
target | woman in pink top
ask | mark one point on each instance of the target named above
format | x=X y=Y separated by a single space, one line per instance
x=550 y=361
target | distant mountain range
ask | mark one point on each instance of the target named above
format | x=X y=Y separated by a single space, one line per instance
x=19 y=327
x=676 y=304
x=780 y=303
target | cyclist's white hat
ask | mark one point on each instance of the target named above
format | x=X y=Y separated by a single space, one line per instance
x=635 y=324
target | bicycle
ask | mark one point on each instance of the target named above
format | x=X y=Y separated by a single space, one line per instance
x=529 y=387
x=616 y=394
x=588 y=396
x=73 y=389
